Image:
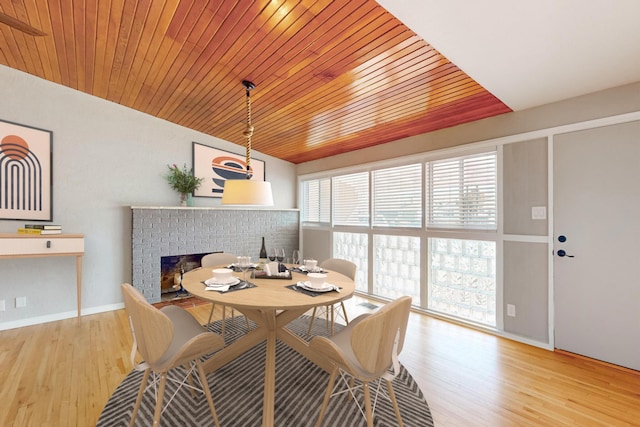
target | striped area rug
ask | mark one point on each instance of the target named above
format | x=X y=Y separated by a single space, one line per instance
x=237 y=393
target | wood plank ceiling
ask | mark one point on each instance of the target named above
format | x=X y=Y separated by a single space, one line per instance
x=331 y=76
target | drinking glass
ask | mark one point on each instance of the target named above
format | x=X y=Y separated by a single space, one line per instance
x=280 y=255
x=295 y=258
x=272 y=254
x=244 y=262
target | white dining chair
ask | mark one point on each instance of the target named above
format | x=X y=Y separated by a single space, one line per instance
x=167 y=338
x=346 y=268
x=366 y=350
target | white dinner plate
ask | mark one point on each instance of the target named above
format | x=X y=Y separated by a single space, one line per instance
x=306 y=285
x=212 y=282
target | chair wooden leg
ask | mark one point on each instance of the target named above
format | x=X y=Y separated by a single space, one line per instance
x=211 y=314
x=143 y=385
x=333 y=316
x=159 y=398
x=344 y=311
x=367 y=404
x=327 y=395
x=187 y=367
x=352 y=382
x=313 y=316
x=224 y=318
x=392 y=396
x=207 y=392
x=224 y=315
x=326 y=317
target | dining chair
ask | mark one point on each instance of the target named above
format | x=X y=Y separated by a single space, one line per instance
x=365 y=350
x=341 y=266
x=213 y=260
x=167 y=338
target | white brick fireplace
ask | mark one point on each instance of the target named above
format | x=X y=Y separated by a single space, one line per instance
x=165 y=231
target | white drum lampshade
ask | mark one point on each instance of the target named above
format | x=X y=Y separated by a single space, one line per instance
x=247 y=192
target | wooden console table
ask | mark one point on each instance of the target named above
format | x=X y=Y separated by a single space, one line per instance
x=14 y=245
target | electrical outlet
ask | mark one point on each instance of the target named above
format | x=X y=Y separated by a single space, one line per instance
x=511 y=310
x=21 y=302
x=3 y=306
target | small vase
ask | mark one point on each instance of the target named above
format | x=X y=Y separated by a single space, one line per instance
x=183 y=199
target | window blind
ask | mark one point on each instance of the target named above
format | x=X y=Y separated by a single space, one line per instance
x=397 y=196
x=462 y=192
x=316 y=196
x=351 y=199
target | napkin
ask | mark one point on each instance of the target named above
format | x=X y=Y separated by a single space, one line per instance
x=271 y=268
x=217 y=288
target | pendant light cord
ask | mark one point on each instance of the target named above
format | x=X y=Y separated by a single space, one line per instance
x=248 y=133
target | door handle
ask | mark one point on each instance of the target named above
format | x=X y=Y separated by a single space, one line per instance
x=563 y=253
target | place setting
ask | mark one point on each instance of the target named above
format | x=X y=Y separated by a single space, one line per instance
x=315 y=284
x=308 y=266
x=223 y=279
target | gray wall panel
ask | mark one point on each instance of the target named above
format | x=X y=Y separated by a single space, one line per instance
x=525 y=185
x=525 y=286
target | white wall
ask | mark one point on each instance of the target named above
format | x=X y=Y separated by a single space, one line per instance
x=105 y=158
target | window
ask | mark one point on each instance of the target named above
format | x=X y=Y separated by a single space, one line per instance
x=462 y=279
x=355 y=248
x=397 y=196
x=396 y=261
x=351 y=199
x=316 y=200
x=375 y=218
x=463 y=192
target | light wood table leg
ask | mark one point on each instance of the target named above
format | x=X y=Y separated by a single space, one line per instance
x=230 y=352
x=79 y=282
x=268 y=407
x=271 y=327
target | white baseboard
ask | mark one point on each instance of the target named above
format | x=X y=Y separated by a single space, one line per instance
x=58 y=316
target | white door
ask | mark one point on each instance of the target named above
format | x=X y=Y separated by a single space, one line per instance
x=596 y=185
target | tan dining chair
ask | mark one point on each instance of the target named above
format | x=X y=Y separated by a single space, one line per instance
x=341 y=266
x=167 y=338
x=365 y=350
x=218 y=259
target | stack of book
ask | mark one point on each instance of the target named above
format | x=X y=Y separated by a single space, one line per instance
x=40 y=229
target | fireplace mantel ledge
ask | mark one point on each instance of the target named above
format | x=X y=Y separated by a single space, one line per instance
x=215 y=208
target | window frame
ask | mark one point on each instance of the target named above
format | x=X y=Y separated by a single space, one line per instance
x=424 y=232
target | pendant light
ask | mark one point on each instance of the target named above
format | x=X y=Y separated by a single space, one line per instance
x=247 y=191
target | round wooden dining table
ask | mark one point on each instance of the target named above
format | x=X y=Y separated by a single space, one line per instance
x=271 y=305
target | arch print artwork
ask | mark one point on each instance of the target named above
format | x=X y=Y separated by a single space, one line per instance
x=216 y=166
x=25 y=172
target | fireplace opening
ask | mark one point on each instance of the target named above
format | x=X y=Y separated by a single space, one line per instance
x=170 y=268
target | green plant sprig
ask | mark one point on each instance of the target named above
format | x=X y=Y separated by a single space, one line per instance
x=183 y=180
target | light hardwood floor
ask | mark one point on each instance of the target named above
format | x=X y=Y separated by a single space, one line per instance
x=62 y=374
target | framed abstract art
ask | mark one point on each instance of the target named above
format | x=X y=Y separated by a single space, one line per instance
x=25 y=172
x=216 y=166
